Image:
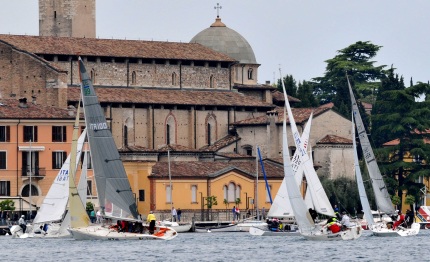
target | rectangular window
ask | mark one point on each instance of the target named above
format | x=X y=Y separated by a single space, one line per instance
x=4 y=133
x=58 y=159
x=59 y=134
x=30 y=133
x=89 y=188
x=4 y=188
x=34 y=163
x=2 y=159
x=168 y=195
x=88 y=156
x=193 y=194
x=142 y=195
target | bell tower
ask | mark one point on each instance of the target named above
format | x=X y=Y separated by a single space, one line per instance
x=67 y=18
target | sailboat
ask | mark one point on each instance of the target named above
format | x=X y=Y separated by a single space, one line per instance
x=307 y=227
x=113 y=188
x=281 y=207
x=382 y=197
x=54 y=205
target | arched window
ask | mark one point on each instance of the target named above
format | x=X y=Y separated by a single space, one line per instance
x=210 y=130
x=267 y=194
x=125 y=135
x=170 y=130
x=231 y=192
x=168 y=194
x=26 y=191
x=174 y=79
x=225 y=190
x=250 y=71
x=238 y=190
x=133 y=78
x=212 y=82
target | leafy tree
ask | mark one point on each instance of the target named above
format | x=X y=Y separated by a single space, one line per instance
x=210 y=202
x=7 y=205
x=356 y=61
x=89 y=206
x=343 y=192
x=290 y=85
x=306 y=96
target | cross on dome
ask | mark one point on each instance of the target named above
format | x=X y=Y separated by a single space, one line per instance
x=217 y=7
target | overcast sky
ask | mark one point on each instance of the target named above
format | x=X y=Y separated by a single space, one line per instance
x=298 y=35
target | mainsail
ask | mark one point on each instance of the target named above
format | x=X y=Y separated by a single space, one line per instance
x=113 y=186
x=319 y=197
x=361 y=190
x=382 y=197
x=55 y=203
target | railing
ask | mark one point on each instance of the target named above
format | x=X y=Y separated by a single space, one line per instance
x=36 y=172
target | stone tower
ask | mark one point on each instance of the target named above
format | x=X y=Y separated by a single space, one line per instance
x=67 y=18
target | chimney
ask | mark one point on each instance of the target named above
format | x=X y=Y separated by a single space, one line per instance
x=267 y=82
x=72 y=110
x=23 y=102
x=33 y=97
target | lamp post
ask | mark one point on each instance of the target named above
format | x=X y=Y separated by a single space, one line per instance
x=202 y=206
x=246 y=199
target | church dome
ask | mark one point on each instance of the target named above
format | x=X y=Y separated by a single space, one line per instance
x=225 y=40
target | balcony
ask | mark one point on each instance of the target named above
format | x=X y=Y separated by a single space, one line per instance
x=37 y=173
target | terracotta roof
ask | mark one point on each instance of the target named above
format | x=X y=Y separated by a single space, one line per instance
x=367 y=106
x=176 y=148
x=328 y=105
x=207 y=169
x=168 y=96
x=234 y=155
x=254 y=87
x=113 y=47
x=301 y=115
x=278 y=97
x=11 y=109
x=223 y=142
x=396 y=141
x=333 y=139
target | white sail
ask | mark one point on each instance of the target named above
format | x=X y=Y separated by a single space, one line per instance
x=55 y=203
x=281 y=206
x=298 y=205
x=319 y=197
x=382 y=197
x=361 y=190
x=82 y=184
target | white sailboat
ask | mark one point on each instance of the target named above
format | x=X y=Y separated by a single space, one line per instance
x=54 y=205
x=307 y=227
x=113 y=188
x=281 y=206
x=382 y=197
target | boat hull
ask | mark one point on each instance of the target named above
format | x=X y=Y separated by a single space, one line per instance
x=246 y=225
x=381 y=231
x=221 y=228
x=180 y=228
x=104 y=233
x=256 y=231
x=351 y=233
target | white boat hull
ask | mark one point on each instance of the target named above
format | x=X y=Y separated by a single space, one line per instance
x=180 y=228
x=246 y=225
x=256 y=231
x=381 y=231
x=104 y=233
x=348 y=234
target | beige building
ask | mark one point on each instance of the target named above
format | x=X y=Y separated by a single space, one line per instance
x=200 y=99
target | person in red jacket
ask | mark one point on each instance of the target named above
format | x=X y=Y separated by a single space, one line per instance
x=400 y=220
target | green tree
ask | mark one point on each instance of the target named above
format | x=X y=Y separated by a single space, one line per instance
x=398 y=116
x=290 y=85
x=306 y=96
x=89 y=206
x=356 y=60
x=343 y=192
x=7 y=205
x=210 y=202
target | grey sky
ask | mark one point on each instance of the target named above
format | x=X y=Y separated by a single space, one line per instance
x=298 y=35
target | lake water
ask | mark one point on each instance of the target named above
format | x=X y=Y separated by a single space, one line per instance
x=219 y=247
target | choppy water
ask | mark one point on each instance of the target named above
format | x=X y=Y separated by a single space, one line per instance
x=219 y=247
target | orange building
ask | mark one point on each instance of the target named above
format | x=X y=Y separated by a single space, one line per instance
x=34 y=142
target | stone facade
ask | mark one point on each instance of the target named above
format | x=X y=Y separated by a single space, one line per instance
x=72 y=18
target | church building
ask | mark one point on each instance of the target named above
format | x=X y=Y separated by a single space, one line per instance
x=198 y=106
